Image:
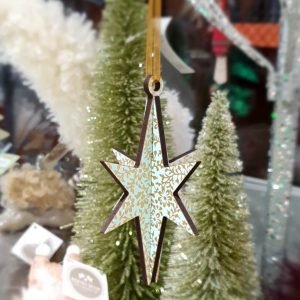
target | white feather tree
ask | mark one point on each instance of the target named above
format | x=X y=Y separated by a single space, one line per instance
x=55 y=55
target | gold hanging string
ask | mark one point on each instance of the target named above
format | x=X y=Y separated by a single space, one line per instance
x=153 y=64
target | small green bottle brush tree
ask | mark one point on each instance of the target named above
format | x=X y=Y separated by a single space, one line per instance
x=219 y=263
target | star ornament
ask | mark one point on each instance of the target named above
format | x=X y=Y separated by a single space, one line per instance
x=151 y=184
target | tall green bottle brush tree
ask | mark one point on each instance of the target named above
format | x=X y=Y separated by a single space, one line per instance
x=115 y=120
x=219 y=263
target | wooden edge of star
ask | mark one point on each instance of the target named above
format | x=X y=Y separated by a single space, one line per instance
x=179 y=157
x=155 y=270
x=120 y=201
x=115 y=150
x=141 y=252
x=180 y=203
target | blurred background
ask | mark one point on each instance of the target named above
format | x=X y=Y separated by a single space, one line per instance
x=192 y=38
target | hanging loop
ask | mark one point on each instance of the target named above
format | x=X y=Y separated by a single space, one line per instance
x=153 y=87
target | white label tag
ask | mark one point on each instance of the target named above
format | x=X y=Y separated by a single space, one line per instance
x=6 y=161
x=83 y=282
x=169 y=53
x=34 y=236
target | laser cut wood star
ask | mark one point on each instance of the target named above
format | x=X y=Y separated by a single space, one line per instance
x=151 y=186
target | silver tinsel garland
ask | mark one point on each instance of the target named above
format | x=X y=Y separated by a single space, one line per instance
x=284 y=140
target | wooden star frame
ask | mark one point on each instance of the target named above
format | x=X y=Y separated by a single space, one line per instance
x=151 y=185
